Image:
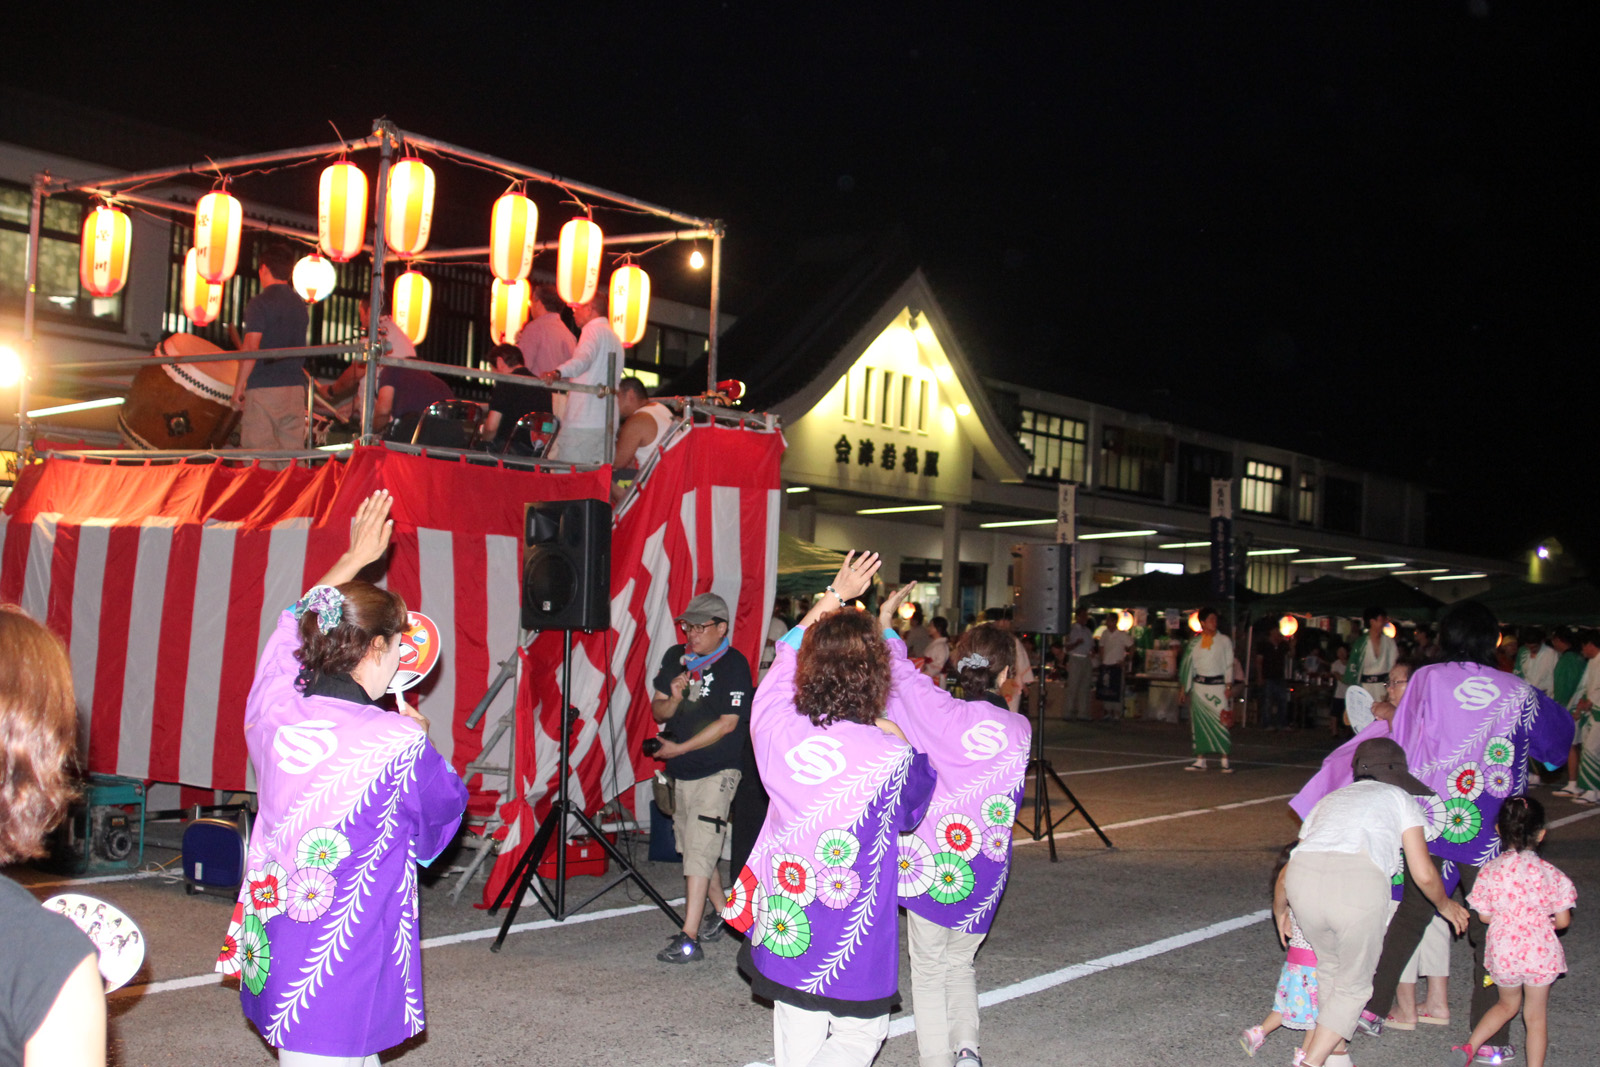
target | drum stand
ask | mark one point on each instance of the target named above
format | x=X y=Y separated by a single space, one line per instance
x=1044 y=822
x=554 y=899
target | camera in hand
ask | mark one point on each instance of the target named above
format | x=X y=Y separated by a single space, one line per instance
x=650 y=746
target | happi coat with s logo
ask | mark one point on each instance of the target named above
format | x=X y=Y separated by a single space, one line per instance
x=325 y=937
x=817 y=898
x=953 y=866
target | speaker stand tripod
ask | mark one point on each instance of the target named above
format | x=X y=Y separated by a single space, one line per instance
x=1044 y=775
x=554 y=898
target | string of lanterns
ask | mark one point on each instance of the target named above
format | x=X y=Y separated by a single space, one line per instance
x=408 y=220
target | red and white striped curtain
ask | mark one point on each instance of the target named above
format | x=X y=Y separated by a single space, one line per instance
x=705 y=520
x=165 y=580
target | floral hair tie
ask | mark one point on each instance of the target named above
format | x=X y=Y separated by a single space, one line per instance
x=327 y=602
x=971 y=660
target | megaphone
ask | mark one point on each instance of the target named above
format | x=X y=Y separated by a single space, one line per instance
x=732 y=389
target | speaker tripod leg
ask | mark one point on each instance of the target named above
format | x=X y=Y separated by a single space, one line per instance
x=523 y=875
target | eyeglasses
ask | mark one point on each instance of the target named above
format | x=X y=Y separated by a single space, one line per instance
x=699 y=627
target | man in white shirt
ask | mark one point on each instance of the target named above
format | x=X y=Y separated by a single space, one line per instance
x=1538 y=666
x=597 y=360
x=1115 y=645
x=1080 y=672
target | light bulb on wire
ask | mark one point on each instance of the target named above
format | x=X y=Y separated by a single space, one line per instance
x=697 y=260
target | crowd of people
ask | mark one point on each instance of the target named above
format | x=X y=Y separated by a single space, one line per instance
x=869 y=770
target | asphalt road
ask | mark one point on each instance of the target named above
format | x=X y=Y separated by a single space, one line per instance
x=1157 y=951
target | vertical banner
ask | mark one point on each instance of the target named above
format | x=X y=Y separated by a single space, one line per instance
x=1066 y=514
x=1222 y=578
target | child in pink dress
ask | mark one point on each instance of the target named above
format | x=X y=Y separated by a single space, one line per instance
x=1525 y=901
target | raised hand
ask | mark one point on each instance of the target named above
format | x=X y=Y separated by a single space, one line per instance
x=891 y=605
x=855 y=574
x=371 y=529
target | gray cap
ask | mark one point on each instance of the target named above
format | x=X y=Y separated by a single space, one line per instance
x=703 y=608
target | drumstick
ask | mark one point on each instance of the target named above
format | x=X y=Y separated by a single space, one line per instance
x=316 y=397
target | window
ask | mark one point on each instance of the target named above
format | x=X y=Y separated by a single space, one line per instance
x=1196 y=467
x=1267 y=574
x=1263 y=490
x=1056 y=444
x=886 y=397
x=894 y=400
x=1134 y=461
x=60 y=233
x=1305 y=501
x=1341 y=505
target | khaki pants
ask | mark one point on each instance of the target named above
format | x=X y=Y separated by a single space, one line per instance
x=700 y=819
x=802 y=1038
x=1341 y=900
x=1432 y=958
x=274 y=418
x=944 y=989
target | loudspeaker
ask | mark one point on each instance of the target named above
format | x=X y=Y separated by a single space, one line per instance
x=566 y=567
x=1043 y=575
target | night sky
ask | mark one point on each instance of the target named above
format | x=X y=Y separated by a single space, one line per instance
x=1362 y=230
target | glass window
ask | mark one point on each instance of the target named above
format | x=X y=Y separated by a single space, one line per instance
x=1133 y=461
x=1341 y=505
x=60 y=234
x=1263 y=489
x=845 y=388
x=886 y=397
x=1305 y=503
x=1196 y=467
x=1057 y=445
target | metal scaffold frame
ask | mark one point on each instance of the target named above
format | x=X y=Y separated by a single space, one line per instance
x=385 y=137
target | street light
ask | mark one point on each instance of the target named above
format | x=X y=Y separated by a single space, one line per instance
x=10 y=367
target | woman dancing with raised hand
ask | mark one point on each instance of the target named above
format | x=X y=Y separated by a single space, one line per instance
x=325 y=934
x=816 y=900
x=953 y=869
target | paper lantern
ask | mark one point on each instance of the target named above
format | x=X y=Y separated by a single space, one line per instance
x=201 y=300
x=1389 y=631
x=508 y=309
x=103 y=256
x=314 y=278
x=410 y=208
x=630 y=302
x=1288 y=626
x=511 y=232
x=342 y=212
x=216 y=236
x=578 y=261
x=1124 y=621
x=1194 y=622
x=413 y=296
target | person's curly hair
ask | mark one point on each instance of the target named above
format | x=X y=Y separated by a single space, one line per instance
x=842 y=672
x=370 y=613
x=991 y=643
x=38 y=726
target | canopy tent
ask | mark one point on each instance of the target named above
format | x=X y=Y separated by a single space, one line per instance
x=805 y=567
x=1519 y=603
x=1159 y=590
x=1351 y=597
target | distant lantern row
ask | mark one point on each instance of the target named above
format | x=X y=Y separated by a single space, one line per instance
x=408 y=219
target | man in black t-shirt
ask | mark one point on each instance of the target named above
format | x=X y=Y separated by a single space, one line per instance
x=702 y=695
x=509 y=402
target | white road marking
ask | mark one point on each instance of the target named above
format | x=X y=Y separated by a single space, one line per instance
x=905 y=1024
x=1060 y=835
x=1163 y=756
x=1126 y=766
x=1573 y=818
x=93 y=881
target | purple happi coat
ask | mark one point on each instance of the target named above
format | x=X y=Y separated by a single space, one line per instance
x=953 y=867
x=1468 y=732
x=816 y=900
x=325 y=934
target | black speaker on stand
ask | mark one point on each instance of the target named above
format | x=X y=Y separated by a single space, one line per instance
x=1043 y=576
x=566 y=585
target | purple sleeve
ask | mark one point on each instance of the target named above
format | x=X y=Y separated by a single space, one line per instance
x=277 y=668
x=1550 y=737
x=917 y=793
x=919 y=695
x=436 y=804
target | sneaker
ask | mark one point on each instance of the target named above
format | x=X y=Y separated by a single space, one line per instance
x=968 y=1058
x=1496 y=1053
x=1369 y=1024
x=1251 y=1040
x=712 y=927
x=681 y=949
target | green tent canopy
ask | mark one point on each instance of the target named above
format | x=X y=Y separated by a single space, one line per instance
x=1518 y=603
x=1158 y=591
x=803 y=567
x=1347 y=597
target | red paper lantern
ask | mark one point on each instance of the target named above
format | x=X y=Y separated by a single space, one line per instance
x=630 y=303
x=217 y=218
x=342 y=212
x=511 y=236
x=413 y=297
x=578 y=260
x=409 y=212
x=103 y=256
x=200 y=299
x=508 y=309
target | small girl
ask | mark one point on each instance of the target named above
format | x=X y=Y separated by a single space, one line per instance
x=1295 y=1004
x=1525 y=901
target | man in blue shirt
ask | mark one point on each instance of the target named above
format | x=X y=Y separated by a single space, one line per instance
x=273 y=392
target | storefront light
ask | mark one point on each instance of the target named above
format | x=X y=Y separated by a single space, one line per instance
x=10 y=368
x=1186 y=544
x=963 y=409
x=1108 y=535
x=1458 y=577
x=1373 y=566
x=1324 y=559
x=899 y=509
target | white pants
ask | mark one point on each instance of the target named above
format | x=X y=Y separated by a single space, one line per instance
x=580 y=444
x=802 y=1038
x=307 y=1059
x=1080 y=676
x=944 y=989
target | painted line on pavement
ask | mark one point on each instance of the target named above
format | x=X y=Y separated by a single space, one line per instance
x=1060 y=835
x=905 y=1024
x=93 y=881
x=1564 y=820
x=1164 y=755
x=192 y=981
x=1125 y=766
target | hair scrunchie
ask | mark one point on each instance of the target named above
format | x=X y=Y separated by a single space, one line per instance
x=327 y=602
x=971 y=660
